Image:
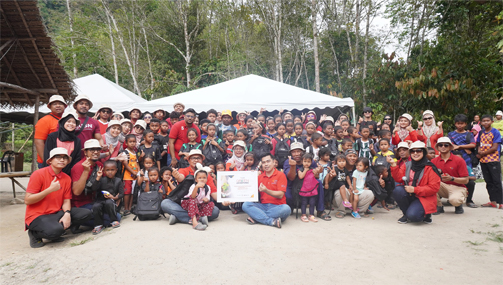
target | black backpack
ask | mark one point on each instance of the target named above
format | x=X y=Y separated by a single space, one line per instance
x=381 y=160
x=148 y=206
x=372 y=182
x=296 y=186
x=333 y=147
x=473 y=155
x=181 y=189
x=212 y=153
x=282 y=151
x=259 y=147
x=183 y=163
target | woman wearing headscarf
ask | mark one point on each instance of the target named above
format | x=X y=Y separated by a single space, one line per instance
x=428 y=131
x=237 y=161
x=403 y=131
x=113 y=138
x=65 y=137
x=418 y=197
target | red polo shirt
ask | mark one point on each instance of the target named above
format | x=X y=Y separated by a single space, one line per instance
x=179 y=133
x=77 y=170
x=277 y=182
x=40 y=180
x=454 y=166
x=189 y=171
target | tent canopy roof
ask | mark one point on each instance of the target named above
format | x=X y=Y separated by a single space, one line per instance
x=249 y=93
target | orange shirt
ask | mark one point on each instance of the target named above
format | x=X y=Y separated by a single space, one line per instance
x=277 y=182
x=40 y=180
x=44 y=127
x=133 y=163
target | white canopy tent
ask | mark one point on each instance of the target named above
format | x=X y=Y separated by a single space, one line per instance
x=100 y=90
x=249 y=93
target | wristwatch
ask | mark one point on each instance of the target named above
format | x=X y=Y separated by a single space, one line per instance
x=452 y=178
x=67 y=211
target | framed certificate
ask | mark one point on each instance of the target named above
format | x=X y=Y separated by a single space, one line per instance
x=237 y=186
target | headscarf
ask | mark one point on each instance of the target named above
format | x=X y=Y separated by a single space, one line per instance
x=429 y=131
x=239 y=161
x=109 y=139
x=478 y=129
x=402 y=132
x=306 y=120
x=418 y=167
x=63 y=134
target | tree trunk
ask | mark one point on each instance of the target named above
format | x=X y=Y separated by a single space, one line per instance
x=148 y=59
x=74 y=55
x=315 y=46
x=114 y=57
x=365 y=58
x=357 y=35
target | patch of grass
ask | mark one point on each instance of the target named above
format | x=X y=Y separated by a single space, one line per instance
x=479 y=180
x=474 y=242
x=80 y=242
x=31 y=266
x=496 y=236
x=6 y=264
x=47 y=269
x=495 y=225
x=45 y=280
x=480 y=249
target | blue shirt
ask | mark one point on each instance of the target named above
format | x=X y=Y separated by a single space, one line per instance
x=460 y=139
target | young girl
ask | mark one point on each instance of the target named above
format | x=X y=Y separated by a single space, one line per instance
x=278 y=119
x=251 y=162
x=197 y=202
x=260 y=142
x=297 y=136
x=271 y=127
x=167 y=179
x=310 y=130
x=187 y=147
x=309 y=189
x=213 y=143
x=297 y=120
x=315 y=147
x=289 y=125
x=261 y=119
x=131 y=172
x=242 y=135
x=149 y=148
x=237 y=161
x=280 y=148
x=359 y=185
x=152 y=183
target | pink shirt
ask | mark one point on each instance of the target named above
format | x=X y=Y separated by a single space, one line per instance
x=200 y=196
x=69 y=146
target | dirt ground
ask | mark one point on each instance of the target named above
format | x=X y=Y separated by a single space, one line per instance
x=455 y=249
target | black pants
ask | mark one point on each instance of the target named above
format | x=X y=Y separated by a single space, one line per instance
x=49 y=227
x=492 y=176
x=471 y=189
x=104 y=207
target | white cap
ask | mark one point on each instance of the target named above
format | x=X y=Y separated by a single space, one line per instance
x=329 y=118
x=239 y=143
x=125 y=121
x=80 y=98
x=499 y=113
x=296 y=145
x=406 y=116
x=178 y=103
x=73 y=114
x=56 y=98
x=58 y=151
x=418 y=144
x=141 y=123
x=428 y=112
x=133 y=110
x=196 y=152
x=118 y=114
x=443 y=140
x=92 y=143
x=105 y=106
x=113 y=123
x=402 y=144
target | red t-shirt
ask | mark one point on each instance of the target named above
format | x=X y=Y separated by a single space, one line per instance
x=179 y=133
x=77 y=170
x=40 y=180
x=188 y=170
x=103 y=127
x=455 y=166
x=277 y=182
x=92 y=127
x=48 y=124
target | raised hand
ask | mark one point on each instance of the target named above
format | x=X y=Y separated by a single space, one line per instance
x=440 y=124
x=409 y=128
x=87 y=164
x=55 y=186
x=381 y=182
x=99 y=173
x=111 y=148
x=291 y=162
x=262 y=187
x=419 y=124
x=214 y=142
x=360 y=120
x=303 y=117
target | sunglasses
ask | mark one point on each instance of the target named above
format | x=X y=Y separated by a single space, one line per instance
x=106 y=111
x=416 y=151
x=367 y=112
x=443 y=145
x=94 y=149
x=148 y=117
x=429 y=118
x=387 y=119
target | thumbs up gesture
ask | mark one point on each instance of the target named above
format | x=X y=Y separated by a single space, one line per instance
x=55 y=186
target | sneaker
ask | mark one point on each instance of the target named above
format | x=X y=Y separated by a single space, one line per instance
x=172 y=220
x=200 y=227
x=370 y=210
x=501 y=207
x=427 y=219
x=35 y=242
x=204 y=220
x=403 y=220
x=440 y=210
x=459 y=210
x=356 y=215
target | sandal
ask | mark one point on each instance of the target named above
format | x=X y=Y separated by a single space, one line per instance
x=471 y=205
x=251 y=221
x=313 y=219
x=347 y=205
x=115 y=224
x=340 y=214
x=277 y=223
x=325 y=217
x=233 y=210
x=127 y=213
x=97 y=230
x=489 y=205
x=304 y=219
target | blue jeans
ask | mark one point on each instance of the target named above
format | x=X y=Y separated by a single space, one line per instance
x=409 y=204
x=106 y=218
x=174 y=208
x=266 y=213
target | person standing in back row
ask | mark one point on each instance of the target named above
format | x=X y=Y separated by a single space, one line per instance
x=178 y=135
x=88 y=128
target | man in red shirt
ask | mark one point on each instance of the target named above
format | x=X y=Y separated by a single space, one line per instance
x=103 y=116
x=177 y=213
x=272 y=209
x=48 y=209
x=48 y=124
x=178 y=135
x=454 y=177
x=89 y=128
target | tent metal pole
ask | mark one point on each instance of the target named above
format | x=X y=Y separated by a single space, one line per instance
x=354 y=116
x=34 y=149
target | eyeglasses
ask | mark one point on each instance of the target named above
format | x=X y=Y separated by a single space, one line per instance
x=196 y=158
x=387 y=119
x=106 y=111
x=443 y=145
x=416 y=151
x=429 y=118
x=94 y=149
x=147 y=117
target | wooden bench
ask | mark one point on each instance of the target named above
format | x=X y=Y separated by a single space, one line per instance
x=12 y=176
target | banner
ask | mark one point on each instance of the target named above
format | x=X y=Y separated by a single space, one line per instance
x=237 y=186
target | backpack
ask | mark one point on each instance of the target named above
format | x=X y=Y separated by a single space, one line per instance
x=212 y=154
x=381 y=160
x=296 y=186
x=334 y=148
x=373 y=184
x=282 y=151
x=473 y=156
x=259 y=147
x=309 y=188
x=148 y=206
x=182 y=189
x=183 y=163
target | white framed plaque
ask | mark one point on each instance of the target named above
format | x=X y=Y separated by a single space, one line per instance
x=237 y=186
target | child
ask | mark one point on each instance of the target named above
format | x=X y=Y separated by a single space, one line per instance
x=289 y=125
x=149 y=148
x=324 y=161
x=345 y=126
x=339 y=179
x=109 y=191
x=328 y=141
x=261 y=119
x=174 y=117
x=152 y=183
x=365 y=145
x=359 y=185
x=271 y=127
x=197 y=202
x=346 y=144
x=297 y=120
x=219 y=166
x=251 y=163
x=298 y=137
x=249 y=120
x=155 y=125
x=167 y=179
x=432 y=154
x=260 y=142
x=280 y=148
x=131 y=172
x=380 y=157
x=389 y=185
x=204 y=130
x=278 y=119
x=242 y=135
x=187 y=147
x=489 y=142
x=229 y=142
x=162 y=138
x=309 y=189
x=384 y=134
x=317 y=140
x=461 y=139
x=212 y=143
x=226 y=126
x=338 y=136
x=310 y=130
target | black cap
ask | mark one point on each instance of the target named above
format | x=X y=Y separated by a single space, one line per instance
x=368 y=109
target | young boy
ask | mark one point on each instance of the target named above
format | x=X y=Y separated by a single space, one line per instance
x=132 y=167
x=489 y=142
x=226 y=124
x=216 y=142
x=204 y=132
x=229 y=143
x=317 y=140
x=109 y=191
x=380 y=156
x=155 y=125
x=346 y=144
x=365 y=145
x=174 y=117
x=162 y=139
x=384 y=134
x=461 y=139
x=389 y=185
x=339 y=134
x=431 y=153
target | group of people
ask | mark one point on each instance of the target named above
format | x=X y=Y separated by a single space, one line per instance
x=92 y=169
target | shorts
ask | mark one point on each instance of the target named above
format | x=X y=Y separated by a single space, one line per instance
x=360 y=191
x=128 y=187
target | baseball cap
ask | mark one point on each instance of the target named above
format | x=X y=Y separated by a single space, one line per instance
x=227 y=112
x=350 y=151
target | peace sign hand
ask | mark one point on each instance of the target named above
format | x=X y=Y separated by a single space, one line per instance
x=99 y=173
